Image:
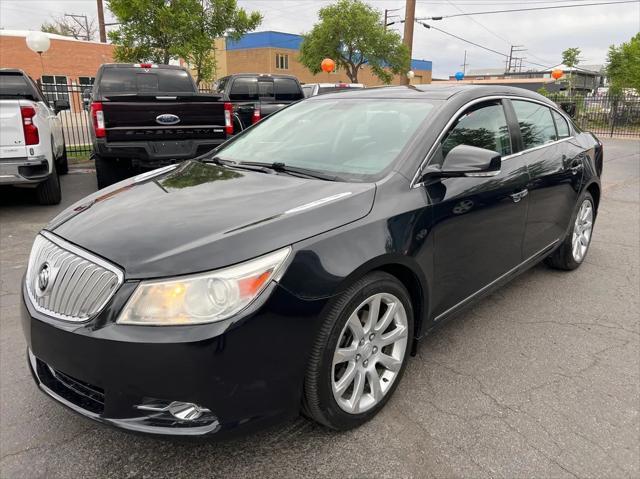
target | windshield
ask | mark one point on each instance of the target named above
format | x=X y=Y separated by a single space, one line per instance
x=352 y=139
x=140 y=80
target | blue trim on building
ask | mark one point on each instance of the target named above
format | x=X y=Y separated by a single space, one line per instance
x=271 y=39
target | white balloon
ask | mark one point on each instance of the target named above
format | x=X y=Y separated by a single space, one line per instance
x=38 y=42
x=410 y=74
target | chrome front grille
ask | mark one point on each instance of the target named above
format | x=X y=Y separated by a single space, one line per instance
x=66 y=282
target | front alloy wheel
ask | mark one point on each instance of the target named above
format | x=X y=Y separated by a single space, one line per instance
x=369 y=354
x=360 y=352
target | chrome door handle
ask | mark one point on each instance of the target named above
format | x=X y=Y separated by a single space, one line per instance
x=516 y=197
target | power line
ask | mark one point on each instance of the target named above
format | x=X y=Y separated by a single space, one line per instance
x=502 y=54
x=549 y=7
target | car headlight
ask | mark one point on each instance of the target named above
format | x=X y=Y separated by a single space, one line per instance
x=205 y=297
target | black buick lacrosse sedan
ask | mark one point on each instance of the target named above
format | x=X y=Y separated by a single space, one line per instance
x=296 y=267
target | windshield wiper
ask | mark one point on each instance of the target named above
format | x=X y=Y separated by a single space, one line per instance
x=216 y=160
x=292 y=170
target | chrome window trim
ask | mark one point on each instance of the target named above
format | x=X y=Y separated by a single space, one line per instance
x=63 y=244
x=425 y=162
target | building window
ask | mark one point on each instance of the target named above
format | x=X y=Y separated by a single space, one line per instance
x=282 y=61
x=86 y=81
x=55 y=87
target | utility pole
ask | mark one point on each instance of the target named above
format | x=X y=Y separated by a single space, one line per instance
x=101 y=27
x=409 y=21
x=512 y=62
x=464 y=63
x=388 y=17
x=85 y=27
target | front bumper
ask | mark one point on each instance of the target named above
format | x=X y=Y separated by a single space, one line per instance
x=24 y=170
x=247 y=373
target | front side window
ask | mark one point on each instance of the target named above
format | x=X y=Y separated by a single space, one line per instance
x=484 y=126
x=536 y=123
x=561 y=125
x=355 y=140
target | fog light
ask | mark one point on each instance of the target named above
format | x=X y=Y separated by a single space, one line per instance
x=186 y=411
x=182 y=411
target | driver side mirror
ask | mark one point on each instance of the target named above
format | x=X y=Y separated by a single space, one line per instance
x=467 y=160
x=59 y=105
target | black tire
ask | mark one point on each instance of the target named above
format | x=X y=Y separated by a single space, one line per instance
x=112 y=170
x=319 y=403
x=562 y=258
x=48 y=192
x=63 y=162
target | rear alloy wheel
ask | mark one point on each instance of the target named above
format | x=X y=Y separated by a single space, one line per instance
x=571 y=253
x=360 y=352
x=582 y=230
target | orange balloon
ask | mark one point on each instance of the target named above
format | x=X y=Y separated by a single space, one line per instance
x=328 y=65
x=556 y=74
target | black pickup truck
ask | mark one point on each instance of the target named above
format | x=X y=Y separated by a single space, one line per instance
x=255 y=96
x=145 y=116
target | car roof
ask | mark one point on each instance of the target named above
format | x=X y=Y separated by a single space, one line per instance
x=132 y=65
x=434 y=91
x=12 y=71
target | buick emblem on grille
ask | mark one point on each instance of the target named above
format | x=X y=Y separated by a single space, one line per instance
x=44 y=277
x=167 y=119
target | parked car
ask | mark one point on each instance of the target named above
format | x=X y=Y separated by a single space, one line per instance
x=297 y=267
x=145 y=116
x=313 y=89
x=255 y=96
x=32 y=148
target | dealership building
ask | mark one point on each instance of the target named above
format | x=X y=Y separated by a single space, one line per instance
x=277 y=52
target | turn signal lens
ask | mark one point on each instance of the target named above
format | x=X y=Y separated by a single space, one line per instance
x=205 y=297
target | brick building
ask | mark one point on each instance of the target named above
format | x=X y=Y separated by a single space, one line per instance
x=67 y=63
x=277 y=52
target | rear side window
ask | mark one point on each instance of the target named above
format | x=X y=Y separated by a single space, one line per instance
x=484 y=126
x=244 y=89
x=15 y=86
x=140 y=80
x=287 y=89
x=536 y=123
x=561 y=125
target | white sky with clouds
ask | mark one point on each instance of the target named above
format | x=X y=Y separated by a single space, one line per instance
x=544 y=33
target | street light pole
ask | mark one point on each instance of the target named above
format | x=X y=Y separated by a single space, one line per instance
x=409 y=20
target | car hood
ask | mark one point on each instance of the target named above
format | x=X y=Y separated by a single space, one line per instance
x=197 y=217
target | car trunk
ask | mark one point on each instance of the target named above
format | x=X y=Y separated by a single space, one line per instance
x=135 y=117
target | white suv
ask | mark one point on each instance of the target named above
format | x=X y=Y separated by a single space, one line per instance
x=32 y=149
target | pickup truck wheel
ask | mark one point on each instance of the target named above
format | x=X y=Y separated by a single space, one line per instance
x=48 y=192
x=63 y=162
x=110 y=171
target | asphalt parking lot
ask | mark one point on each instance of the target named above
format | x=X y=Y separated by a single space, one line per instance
x=541 y=379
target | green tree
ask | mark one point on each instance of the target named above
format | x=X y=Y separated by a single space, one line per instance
x=623 y=65
x=351 y=33
x=217 y=18
x=151 y=30
x=570 y=57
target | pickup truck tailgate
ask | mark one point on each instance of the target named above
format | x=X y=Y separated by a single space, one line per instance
x=11 y=134
x=191 y=118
